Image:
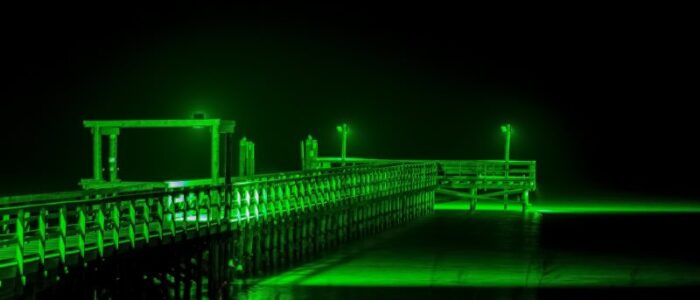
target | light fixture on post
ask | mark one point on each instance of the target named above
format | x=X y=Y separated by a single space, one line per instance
x=507 y=130
x=343 y=130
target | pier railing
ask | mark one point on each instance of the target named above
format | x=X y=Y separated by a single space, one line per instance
x=482 y=174
x=487 y=174
x=290 y=215
x=470 y=179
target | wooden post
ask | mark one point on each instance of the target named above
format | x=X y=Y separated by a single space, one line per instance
x=242 y=156
x=113 y=169
x=526 y=200
x=215 y=154
x=225 y=159
x=250 y=159
x=344 y=145
x=507 y=163
x=303 y=157
x=97 y=154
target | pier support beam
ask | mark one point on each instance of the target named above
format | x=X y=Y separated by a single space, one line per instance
x=113 y=134
x=246 y=158
x=215 y=153
x=96 y=154
x=113 y=169
x=526 y=200
x=309 y=153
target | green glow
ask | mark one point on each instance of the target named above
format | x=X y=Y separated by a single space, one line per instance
x=585 y=206
x=199 y=115
x=227 y=126
x=114 y=221
x=463 y=204
x=176 y=184
x=618 y=208
x=343 y=130
x=395 y=258
x=411 y=257
x=390 y=271
x=191 y=218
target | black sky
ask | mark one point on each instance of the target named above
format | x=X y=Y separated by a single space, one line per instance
x=601 y=97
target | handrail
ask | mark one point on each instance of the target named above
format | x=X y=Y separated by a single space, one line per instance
x=9 y=201
x=100 y=219
x=515 y=168
x=480 y=174
x=362 y=159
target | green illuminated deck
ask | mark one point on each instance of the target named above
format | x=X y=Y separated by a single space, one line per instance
x=455 y=248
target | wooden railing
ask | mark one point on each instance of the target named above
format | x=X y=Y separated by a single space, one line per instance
x=48 y=234
x=484 y=174
x=488 y=173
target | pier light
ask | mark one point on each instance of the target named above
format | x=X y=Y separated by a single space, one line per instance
x=343 y=130
x=507 y=130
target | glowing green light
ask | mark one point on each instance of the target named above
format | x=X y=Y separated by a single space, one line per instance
x=343 y=130
x=585 y=206
x=397 y=260
x=176 y=184
x=507 y=128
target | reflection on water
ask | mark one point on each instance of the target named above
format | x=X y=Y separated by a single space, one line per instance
x=453 y=254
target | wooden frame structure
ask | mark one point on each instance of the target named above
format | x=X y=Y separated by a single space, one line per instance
x=468 y=179
x=112 y=129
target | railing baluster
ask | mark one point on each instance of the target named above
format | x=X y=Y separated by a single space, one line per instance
x=62 y=227
x=100 y=230
x=185 y=209
x=116 y=218
x=6 y=223
x=209 y=209
x=42 y=236
x=172 y=210
x=81 y=231
x=196 y=198
x=147 y=219
x=160 y=216
x=19 y=248
x=132 y=223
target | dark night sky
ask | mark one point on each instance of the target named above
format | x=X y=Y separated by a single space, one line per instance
x=601 y=98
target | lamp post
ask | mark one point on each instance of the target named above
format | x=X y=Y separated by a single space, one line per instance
x=343 y=130
x=506 y=129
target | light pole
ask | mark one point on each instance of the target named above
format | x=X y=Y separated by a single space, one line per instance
x=506 y=129
x=343 y=130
